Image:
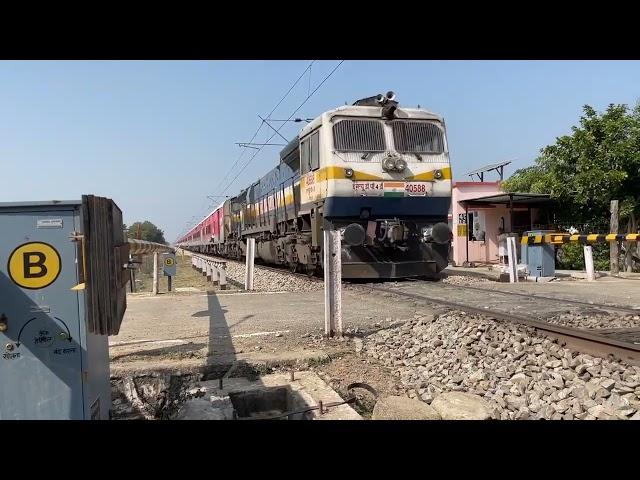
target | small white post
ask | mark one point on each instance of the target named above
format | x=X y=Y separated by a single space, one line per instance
x=588 y=263
x=222 y=274
x=513 y=259
x=214 y=273
x=155 y=273
x=332 y=283
x=248 y=272
x=210 y=269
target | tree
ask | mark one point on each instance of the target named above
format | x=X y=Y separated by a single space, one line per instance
x=146 y=231
x=584 y=171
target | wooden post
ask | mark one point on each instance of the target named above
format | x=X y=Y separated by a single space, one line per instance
x=588 y=263
x=613 y=246
x=248 y=272
x=332 y=283
x=169 y=277
x=155 y=273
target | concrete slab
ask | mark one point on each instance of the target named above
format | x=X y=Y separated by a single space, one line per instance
x=307 y=388
x=185 y=333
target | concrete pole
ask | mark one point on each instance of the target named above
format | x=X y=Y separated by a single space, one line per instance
x=513 y=262
x=613 y=246
x=222 y=275
x=210 y=269
x=155 y=273
x=248 y=272
x=332 y=283
x=214 y=274
x=588 y=262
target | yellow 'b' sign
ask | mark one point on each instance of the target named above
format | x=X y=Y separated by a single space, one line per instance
x=169 y=262
x=34 y=265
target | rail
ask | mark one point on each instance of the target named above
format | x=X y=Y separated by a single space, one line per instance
x=142 y=247
x=586 y=341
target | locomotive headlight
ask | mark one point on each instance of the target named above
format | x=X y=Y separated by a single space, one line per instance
x=348 y=172
x=388 y=164
x=401 y=164
x=437 y=174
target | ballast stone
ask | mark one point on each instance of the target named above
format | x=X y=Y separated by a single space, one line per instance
x=403 y=408
x=461 y=406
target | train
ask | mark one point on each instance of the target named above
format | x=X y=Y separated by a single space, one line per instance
x=376 y=172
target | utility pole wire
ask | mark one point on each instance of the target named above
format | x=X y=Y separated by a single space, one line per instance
x=277 y=131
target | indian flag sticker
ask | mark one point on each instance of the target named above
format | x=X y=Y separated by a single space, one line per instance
x=393 y=189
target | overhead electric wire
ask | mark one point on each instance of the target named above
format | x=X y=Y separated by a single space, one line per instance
x=262 y=124
x=278 y=130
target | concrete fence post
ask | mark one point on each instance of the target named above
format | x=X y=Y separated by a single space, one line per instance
x=155 y=274
x=513 y=259
x=214 y=273
x=588 y=263
x=248 y=273
x=332 y=283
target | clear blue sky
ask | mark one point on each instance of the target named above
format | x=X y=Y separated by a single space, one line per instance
x=158 y=137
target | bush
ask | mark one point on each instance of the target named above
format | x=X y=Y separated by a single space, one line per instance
x=571 y=257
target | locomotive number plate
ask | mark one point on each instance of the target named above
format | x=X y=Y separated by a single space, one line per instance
x=368 y=189
x=417 y=189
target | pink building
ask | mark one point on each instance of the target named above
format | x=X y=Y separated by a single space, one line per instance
x=481 y=211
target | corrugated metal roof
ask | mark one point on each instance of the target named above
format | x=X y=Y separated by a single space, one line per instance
x=518 y=198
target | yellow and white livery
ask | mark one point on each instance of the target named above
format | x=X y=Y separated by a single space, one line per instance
x=378 y=173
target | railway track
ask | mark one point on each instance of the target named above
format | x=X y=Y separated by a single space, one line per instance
x=621 y=343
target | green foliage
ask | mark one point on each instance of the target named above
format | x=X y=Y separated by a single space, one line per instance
x=584 y=171
x=571 y=257
x=146 y=231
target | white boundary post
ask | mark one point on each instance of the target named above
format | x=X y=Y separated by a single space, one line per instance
x=214 y=274
x=209 y=270
x=222 y=275
x=332 y=283
x=155 y=274
x=513 y=259
x=248 y=271
x=588 y=263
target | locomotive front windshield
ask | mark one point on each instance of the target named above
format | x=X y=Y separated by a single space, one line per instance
x=367 y=135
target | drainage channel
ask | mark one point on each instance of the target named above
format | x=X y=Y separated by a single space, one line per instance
x=292 y=395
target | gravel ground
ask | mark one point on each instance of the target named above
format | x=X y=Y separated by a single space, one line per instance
x=596 y=320
x=464 y=280
x=521 y=374
x=266 y=280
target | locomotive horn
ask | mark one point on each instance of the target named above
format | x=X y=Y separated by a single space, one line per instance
x=391 y=95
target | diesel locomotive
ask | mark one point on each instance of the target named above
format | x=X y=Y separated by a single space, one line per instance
x=378 y=173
